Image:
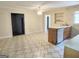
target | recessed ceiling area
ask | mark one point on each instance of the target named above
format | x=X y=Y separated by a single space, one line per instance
x=36 y=4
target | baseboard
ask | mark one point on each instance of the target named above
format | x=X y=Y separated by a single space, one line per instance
x=25 y=34
x=34 y=32
x=5 y=37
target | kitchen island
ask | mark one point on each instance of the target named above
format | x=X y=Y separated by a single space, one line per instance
x=58 y=34
x=71 y=49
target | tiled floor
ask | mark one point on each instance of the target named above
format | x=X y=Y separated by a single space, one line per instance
x=30 y=46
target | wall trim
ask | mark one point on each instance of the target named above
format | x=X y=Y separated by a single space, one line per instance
x=5 y=37
x=33 y=32
x=24 y=34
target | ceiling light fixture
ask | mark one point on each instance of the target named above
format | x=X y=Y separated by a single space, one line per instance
x=39 y=12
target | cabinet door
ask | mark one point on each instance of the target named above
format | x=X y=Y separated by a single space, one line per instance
x=67 y=32
x=52 y=35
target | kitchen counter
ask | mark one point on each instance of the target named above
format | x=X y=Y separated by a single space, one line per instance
x=73 y=43
x=58 y=27
x=71 y=49
x=67 y=30
x=57 y=34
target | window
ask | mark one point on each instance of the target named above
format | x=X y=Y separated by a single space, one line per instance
x=76 y=18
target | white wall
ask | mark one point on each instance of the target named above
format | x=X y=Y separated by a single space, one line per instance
x=75 y=27
x=33 y=22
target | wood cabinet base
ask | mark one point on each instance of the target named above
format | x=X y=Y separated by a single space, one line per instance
x=70 y=53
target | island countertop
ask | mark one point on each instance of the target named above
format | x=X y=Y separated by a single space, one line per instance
x=59 y=27
x=73 y=43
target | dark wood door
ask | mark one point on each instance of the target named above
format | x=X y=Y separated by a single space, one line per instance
x=17 y=23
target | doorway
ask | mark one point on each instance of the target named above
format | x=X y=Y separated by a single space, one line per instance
x=17 y=24
x=47 y=22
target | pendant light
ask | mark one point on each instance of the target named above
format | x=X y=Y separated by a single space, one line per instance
x=39 y=12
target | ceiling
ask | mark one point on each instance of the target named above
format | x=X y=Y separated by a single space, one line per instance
x=38 y=4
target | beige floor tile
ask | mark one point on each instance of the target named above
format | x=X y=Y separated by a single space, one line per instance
x=30 y=46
